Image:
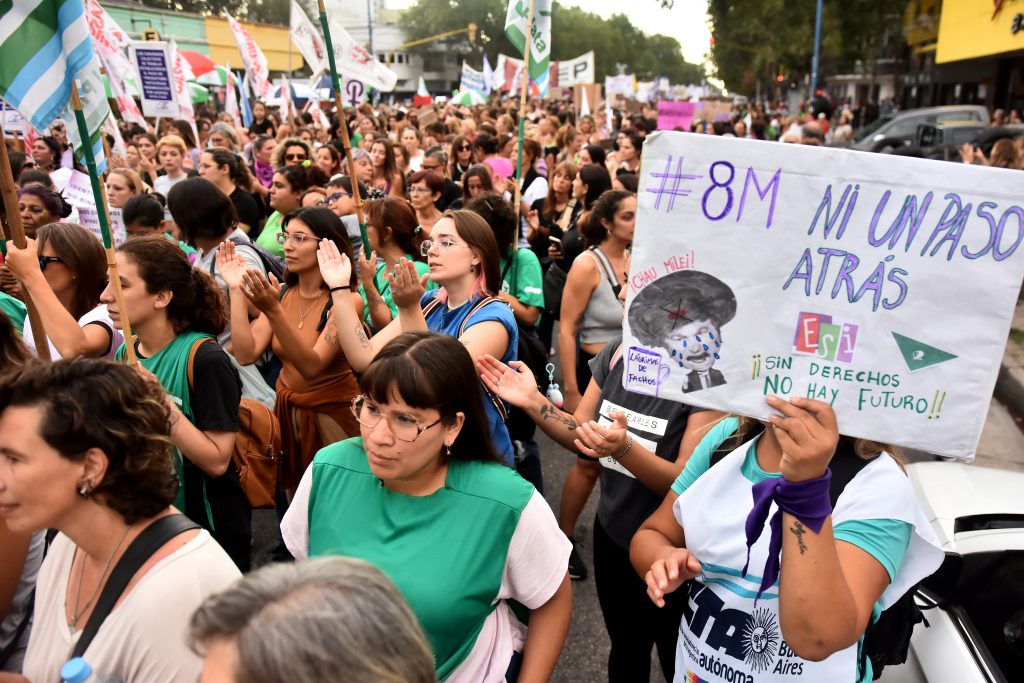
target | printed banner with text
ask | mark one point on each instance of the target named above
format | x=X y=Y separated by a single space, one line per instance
x=882 y=285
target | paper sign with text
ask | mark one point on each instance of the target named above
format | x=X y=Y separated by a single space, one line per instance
x=882 y=285
x=78 y=193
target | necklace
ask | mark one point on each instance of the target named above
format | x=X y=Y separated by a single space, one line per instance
x=303 y=314
x=76 y=614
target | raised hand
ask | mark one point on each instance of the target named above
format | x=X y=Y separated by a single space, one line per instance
x=23 y=263
x=231 y=265
x=808 y=434
x=406 y=288
x=335 y=267
x=669 y=572
x=264 y=294
x=513 y=382
x=599 y=442
x=368 y=269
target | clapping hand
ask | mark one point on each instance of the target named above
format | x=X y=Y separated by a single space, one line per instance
x=514 y=382
x=406 y=286
x=335 y=267
x=669 y=572
x=231 y=265
x=599 y=442
x=264 y=294
x=368 y=269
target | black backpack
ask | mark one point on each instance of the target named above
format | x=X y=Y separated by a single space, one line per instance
x=271 y=263
x=886 y=641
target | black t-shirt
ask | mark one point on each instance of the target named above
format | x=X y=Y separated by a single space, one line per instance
x=247 y=209
x=264 y=127
x=541 y=247
x=452 y=191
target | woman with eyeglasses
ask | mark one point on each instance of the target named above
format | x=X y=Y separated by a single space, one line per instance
x=386 y=176
x=64 y=270
x=289 y=185
x=425 y=189
x=462 y=157
x=422 y=496
x=393 y=231
x=316 y=385
x=463 y=259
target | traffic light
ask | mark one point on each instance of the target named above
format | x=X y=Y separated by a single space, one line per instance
x=472 y=32
x=780 y=78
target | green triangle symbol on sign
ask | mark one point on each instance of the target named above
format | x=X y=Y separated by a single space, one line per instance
x=919 y=355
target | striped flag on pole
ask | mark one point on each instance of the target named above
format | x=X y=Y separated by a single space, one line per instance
x=43 y=46
x=252 y=57
x=540 y=33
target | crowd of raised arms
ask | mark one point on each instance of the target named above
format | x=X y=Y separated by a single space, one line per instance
x=397 y=376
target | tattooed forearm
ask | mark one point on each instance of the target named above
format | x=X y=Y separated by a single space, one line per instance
x=798 y=530
x=364 y=341
x=550 y=412
x=332 y=336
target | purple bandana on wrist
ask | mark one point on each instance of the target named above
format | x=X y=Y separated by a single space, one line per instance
x=808 y=501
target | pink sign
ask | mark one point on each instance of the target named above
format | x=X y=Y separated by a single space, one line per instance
x=672 y=115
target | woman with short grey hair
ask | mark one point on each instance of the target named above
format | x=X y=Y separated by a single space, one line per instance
x=327 y=619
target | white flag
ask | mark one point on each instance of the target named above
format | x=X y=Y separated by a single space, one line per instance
x=231 y=101
x=421 y=89
x=310 y=42
x=96 y=110
x=255 y=63
x=180 y=73
x=584 y=103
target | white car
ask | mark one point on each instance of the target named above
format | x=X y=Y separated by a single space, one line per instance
x=974 y=604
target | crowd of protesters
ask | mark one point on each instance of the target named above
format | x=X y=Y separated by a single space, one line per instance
x=399 y=367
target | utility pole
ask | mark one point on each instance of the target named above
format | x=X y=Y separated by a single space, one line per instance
x=817 y=52
x=369 y=27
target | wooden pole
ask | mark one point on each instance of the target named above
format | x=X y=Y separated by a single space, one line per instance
x=10 y=199
x=524 y=77
x=104 y=215
x=345 y=140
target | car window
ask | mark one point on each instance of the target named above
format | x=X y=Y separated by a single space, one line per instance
x=995 y=606
x=959 y=115
x=870 y=129
x=906 y=127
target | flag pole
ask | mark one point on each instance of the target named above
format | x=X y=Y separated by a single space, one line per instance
x=10 y=199
x=524 y=77
x=343 y=125
x=102 y=213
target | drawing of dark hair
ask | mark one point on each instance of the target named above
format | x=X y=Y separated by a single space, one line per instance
x=676 y=299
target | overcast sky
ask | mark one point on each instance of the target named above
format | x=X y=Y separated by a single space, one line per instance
x=686 y=22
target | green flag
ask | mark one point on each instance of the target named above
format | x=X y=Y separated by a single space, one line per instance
x=540 y=45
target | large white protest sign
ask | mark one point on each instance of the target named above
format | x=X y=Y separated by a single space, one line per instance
x=154 y=66
x=78 y=193
x=883 y=285
x=573 y=71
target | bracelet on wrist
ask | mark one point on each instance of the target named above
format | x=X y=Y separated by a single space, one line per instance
x=619 y=456
x=339 y=288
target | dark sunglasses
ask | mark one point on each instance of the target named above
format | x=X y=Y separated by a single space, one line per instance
x=465 y=148
x=291 y=157
x=46 y=260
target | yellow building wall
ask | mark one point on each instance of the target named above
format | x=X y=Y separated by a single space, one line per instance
x=969 y=30
x=273 y=40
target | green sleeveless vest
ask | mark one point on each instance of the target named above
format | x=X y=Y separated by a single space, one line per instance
x=170 y=365
x=445 y=552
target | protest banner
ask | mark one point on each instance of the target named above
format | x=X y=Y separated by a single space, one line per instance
x=472 y=79
x=153 y=64
x=672 y=115
x=715 y=110
x=575 y=71
x=882 y=285
x=78 y=193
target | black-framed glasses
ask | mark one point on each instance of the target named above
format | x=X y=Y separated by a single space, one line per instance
x=464 y=148
x=46 y=260
x=404 y=427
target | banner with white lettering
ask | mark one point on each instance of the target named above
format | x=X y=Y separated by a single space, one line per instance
x=880 y=284
x=154 y=65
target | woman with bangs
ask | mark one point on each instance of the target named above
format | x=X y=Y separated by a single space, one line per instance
x=316 y=384
x=463 y=259
x=422 y=496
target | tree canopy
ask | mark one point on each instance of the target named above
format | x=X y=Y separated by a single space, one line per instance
x=758 y=39
x=574 y=31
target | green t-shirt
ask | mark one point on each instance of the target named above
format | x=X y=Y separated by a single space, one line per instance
x=523 y=278
x=384 y=287
x=14 y=310
x=445 y=552
x=268 y=236
x=184 y=247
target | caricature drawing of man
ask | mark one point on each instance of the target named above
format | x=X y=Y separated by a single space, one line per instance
x=684 y=312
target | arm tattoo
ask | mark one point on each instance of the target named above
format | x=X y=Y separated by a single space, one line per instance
x=799 y=531
x=332 y=335
x=361 y=336
x=550 y=412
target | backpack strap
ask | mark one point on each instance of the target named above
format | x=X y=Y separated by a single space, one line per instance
x=606 y=268
x=495 y=401
x=152 y=538
x=192 y=351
